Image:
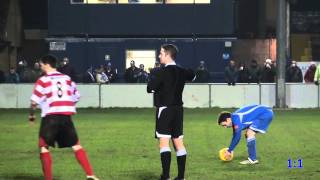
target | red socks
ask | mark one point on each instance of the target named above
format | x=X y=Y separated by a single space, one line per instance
x=46 y=165
x=84 y=162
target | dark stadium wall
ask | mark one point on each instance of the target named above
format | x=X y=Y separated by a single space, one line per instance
x=114 y=28
x=138 y=20
x=77 y=52
x=85 y=53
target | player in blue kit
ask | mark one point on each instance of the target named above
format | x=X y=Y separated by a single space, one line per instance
x=254 y=119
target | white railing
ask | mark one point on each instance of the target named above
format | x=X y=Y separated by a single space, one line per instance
x=298 y=95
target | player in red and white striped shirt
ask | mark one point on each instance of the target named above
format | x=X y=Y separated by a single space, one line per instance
x=57 y=95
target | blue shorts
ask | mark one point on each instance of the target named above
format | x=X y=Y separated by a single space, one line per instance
x=261 y=125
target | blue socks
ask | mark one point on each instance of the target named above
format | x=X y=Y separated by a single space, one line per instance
x=251 y=144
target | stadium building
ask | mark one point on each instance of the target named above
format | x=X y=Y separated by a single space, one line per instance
x=91 y=32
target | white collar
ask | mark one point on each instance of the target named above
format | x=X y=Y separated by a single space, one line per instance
x=171 y=63
x=53 y=72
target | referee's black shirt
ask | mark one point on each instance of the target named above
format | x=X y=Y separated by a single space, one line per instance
x=167 y=83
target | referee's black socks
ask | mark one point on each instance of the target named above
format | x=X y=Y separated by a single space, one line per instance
x=165 y=154
x=181 y=161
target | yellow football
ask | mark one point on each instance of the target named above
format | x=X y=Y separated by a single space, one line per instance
x=222 y=156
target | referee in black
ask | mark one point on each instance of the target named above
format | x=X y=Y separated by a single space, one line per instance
x=167 y=84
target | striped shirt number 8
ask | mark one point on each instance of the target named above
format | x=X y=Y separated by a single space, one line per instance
x=59 y=86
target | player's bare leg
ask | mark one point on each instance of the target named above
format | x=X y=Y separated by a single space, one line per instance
x=251 y=145
x=82 y=158
x=165 y=155
x=181 y=157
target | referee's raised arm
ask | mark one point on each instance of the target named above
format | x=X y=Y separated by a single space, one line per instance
x=189 y=75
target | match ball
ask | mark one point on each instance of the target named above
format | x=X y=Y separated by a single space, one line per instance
x=222 y=156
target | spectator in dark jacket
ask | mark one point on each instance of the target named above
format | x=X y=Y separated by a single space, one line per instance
x=268 y=72
x=309 y=75
x=13 y=77
x=294 y=73
x=231 y=73
x=142 y=75
x=131 y=74
x=66 y=68
x=89 y=76
x=254 y=72
x=156 y=67
x=24 y=72
x=2 y=77
x=243 y=74
x=36 y=72
x=110 y=72
x=202 y=73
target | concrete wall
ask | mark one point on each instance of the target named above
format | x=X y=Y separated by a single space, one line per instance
x=125 y=96
x=306 y=96
x=234 y=96
x=89 y=95
x=8 y=96
x=195 y=95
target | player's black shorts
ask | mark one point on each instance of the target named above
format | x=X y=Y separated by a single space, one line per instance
x=169 y=122
x=57 y=128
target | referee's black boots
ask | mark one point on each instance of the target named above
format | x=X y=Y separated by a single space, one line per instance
x=179 y=178
x=164 y=178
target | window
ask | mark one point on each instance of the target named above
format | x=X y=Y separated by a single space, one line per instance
x=145 y=57
x=179 y=1
x=202 y=1
x=140 y=1
x=101 y=1
x=187 y=1
x=77 y=1
x=93 y=1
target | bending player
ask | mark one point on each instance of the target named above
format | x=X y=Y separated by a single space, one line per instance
x=253 y=119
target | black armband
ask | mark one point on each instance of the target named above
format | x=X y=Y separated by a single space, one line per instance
x=32 y=109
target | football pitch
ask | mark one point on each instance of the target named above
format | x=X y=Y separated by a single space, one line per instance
x=121 y=146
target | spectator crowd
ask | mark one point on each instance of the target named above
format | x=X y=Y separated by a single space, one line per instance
x=267 y=73
x=106 y=73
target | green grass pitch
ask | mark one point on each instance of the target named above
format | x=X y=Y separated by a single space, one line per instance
x=121 y=146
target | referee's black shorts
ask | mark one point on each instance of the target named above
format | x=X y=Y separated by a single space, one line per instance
x=169 y=122
x=57 y=128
